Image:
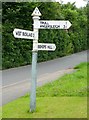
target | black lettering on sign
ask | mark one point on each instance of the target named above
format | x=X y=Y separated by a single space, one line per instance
x=28 y=34
x=48 y=26
x=18 y=33
x=41 y=22
x=32 y=34
x=42 y=46
x=39 y=46
x=50 y=47
x=46 y=23
x=64 y=27
x=42 y=25
x=57 y=26
x=24 y=33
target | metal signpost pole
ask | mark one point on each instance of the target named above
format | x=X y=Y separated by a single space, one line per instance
x=36 y=18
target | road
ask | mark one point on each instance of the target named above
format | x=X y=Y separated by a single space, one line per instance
x=17 y=81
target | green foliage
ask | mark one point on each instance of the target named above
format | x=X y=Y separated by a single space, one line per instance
x=17 y=52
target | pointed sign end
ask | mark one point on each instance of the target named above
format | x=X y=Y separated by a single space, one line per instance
x=69 y=24
x=54 y=47
x=36 y=12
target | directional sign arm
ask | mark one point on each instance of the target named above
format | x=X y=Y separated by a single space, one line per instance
x=44 y=46
x=25 y=34
x=53 y=24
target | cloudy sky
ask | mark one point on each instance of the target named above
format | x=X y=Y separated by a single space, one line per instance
x=79 y=3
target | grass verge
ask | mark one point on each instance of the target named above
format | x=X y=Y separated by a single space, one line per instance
x=74 y=84
x=63 y=98
x=47 y=107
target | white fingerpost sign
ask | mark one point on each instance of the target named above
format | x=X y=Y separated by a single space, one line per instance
x=53 y=24
x=25 y=34
x=44 y=46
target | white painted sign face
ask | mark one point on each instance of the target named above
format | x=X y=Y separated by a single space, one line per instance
x=47 y=24
x=25 y=34
x=44 y=46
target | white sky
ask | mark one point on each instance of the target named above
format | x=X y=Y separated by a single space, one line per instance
x=79 y=3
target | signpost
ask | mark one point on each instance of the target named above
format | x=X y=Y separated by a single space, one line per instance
x=25 y=34
x=36 y=13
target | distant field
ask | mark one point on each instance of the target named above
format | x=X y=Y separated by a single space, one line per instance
x=63 y=98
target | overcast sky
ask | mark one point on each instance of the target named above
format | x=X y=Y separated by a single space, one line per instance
x=79 y=3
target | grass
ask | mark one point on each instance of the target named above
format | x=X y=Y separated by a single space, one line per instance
x=0 y=113
x=74 y=84
x=63 y=98
x=47 y=107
